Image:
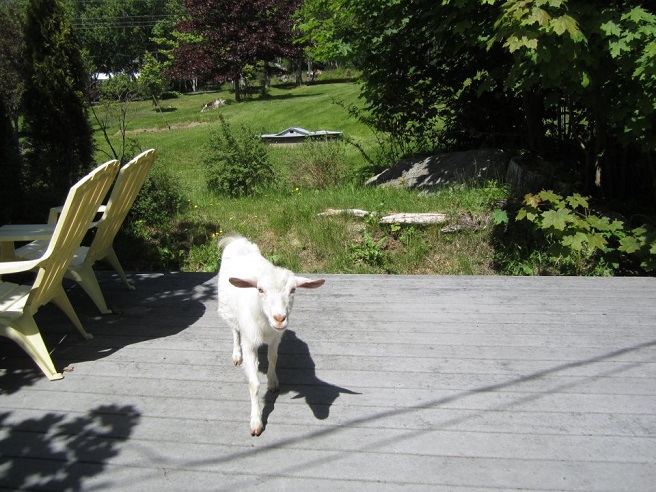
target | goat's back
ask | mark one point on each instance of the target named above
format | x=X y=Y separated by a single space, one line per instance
x=241 y=258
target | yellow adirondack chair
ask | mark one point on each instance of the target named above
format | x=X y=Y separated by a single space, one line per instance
x=19 y=303
x=130 y=179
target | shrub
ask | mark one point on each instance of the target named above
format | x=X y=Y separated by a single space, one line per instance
x=158 y=201
x=565 y=237
x=237 y=161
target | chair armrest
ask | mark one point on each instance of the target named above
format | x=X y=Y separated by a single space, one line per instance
x=7 y=267
x=55 y=212
x=26 y=232
x=11 y=233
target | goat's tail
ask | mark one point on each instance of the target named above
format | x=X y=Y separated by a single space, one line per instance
x=224 y=241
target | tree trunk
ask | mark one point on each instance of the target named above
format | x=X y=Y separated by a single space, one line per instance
x=299 y=71
x=533 y=105
x=237 y=84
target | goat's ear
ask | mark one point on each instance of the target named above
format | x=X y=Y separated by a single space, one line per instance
x=243 y=283
x=306 y=283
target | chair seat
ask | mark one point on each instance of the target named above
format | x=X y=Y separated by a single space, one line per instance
x=13 y=298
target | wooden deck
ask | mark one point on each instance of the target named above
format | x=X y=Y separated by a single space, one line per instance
x=387 y=383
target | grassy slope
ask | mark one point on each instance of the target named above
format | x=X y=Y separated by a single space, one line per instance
x=284 y=223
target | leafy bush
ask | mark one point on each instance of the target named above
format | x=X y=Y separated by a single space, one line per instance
x=237 y=161
x=565 y=237
x=158 y=201
x=148 y=241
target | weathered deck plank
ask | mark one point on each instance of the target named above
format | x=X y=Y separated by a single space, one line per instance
x=421 y=383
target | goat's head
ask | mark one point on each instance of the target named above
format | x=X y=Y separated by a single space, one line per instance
x=276 y=290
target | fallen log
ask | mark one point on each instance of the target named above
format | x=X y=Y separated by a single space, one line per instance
x=398 y=218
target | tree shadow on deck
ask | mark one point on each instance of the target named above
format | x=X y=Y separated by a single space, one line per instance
x=56 y=452
x=296 y=372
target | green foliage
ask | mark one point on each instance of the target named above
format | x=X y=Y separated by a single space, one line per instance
x=120 y=87
x=159 y=201
x=570 y=239
x=151 y=78
x=151 y=235
x=237 y=161
x=601 y=57
x=113 y=113
x=10 y=185
x=118 y=32
x=58 y=146
x=326 y=27
x=368 y=251
x=12 y=60
x=570 y=79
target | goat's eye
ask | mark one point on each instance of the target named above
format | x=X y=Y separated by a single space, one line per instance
x=260 y=290
x=292 y=290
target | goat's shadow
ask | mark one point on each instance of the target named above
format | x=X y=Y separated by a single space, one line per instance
x=296 y=372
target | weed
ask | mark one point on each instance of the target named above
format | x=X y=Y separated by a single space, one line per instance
x=319 y=164
x=368 y=251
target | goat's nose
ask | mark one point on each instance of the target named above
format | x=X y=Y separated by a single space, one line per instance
x=280 y=318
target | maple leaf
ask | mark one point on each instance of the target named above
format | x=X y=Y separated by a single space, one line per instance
x=550 y=197
x=532 y=200
x=597 y=241
x=629 y=244
x=557 y=219
x=577 y=200
x=575 y=241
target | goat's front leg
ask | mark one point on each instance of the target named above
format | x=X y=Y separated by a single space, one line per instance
x=272 y=378
x=250 y=367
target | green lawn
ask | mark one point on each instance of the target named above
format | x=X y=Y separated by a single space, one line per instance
x=181 y=131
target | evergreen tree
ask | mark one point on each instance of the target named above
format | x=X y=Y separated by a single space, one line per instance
x=59 y=144
x=9 y=168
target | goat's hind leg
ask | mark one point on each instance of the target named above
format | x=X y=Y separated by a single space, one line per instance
x=236 y=347
x=250 y=367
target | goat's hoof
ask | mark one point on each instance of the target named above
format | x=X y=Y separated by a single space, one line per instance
x=237 y=361
x=273 y=388
x=256 y=430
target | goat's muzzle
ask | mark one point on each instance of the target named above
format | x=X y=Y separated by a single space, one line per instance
x=279 y=322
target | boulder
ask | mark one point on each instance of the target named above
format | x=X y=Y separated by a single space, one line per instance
x=433 y=172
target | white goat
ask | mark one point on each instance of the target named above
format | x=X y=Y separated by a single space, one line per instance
x=255 y=300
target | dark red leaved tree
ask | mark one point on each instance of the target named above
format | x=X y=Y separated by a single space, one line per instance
x=221 y=37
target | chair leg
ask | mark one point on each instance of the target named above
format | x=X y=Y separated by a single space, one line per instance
x=26 y=334
x=112 y=259
x=86 y=278
x=62 y=302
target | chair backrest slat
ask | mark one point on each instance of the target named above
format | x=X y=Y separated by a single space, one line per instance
x=81 y=205
x=130 y=179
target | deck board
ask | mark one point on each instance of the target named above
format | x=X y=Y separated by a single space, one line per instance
x=387 y=383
